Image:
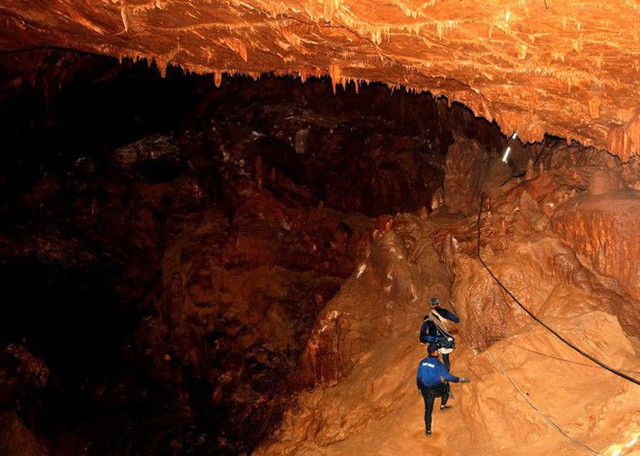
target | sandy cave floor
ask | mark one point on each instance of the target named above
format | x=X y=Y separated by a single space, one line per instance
x=376 y=408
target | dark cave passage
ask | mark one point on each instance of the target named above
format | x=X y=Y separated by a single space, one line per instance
x=75 y=315
x=170 y=245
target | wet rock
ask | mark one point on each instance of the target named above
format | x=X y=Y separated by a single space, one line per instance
x=515 y=225
x=157 y=157
x=238 y=301
x=235 y=226
x=466 y=170
x=16 y=439
x=367 y=354
x=22 y=378
x=603 y=227
x=339 y=339
x=601 y=183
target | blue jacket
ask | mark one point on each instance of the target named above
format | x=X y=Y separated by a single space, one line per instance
x=429 y=332
x=431 y=372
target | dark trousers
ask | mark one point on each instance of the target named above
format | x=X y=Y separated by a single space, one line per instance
x=445 y=361
x=447 y=365
x=429 y=395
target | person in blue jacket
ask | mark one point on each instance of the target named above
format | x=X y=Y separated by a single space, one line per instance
x=431 y=383
x=434 y=330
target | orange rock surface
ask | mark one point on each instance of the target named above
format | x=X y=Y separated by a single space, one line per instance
x=567 y=68
x=530 y=393
x=242 y=315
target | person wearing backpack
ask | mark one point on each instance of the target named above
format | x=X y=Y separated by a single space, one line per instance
x=432 y=380
x=434 y=330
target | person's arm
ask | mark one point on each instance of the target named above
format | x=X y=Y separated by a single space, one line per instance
x=419 y=378
x=442 y=371
x=427 y=334
x=423 y=333
x=448 y=314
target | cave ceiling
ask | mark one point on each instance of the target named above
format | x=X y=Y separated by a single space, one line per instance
x=567 y=68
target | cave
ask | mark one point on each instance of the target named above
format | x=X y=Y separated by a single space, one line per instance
x=222 y=223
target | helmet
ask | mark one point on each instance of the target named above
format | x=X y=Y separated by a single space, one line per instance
x=435 y=301
x=433 y=347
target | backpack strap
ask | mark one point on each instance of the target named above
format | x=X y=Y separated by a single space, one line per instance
x=440 y=322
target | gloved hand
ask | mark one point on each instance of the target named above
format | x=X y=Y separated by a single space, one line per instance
x=464 y=380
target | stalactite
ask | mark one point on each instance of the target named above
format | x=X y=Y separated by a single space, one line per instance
x=161 y=65
x=598 y=61
x=300 y=28
x=443 y=26
x=522 y=51
x=413 y=29
x=578 y=44
x=329 y=8
x=440 y=29
x=238 y=47
x=594 y=107
x=376 y=36
x=125 y=19
x=414 y=13
x=335 y=73
x=217 y=78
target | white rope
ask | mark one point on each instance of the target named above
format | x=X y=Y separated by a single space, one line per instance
x=554 y=425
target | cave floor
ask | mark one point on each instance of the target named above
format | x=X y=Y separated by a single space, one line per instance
x=529 y=393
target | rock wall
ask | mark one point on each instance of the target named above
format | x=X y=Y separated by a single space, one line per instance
x=236 y=302
x=210 y=262
x=518 y=245
x=603 y=228
x=195 y=236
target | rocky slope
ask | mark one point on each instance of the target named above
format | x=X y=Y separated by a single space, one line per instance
x=530 y=393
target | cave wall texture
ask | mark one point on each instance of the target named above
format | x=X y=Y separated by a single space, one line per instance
x=566 y=68
x=232 y=234
x=173 y=249
x=551 y=237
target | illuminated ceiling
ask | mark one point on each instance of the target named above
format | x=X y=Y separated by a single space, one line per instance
x=566 y=68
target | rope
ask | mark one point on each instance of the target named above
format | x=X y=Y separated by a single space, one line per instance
x=554 y=425
x=564 y=359
x=544 y=325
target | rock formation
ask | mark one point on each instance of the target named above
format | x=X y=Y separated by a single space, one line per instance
x=223 y=271
x=566 y=68
x=529 y=391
